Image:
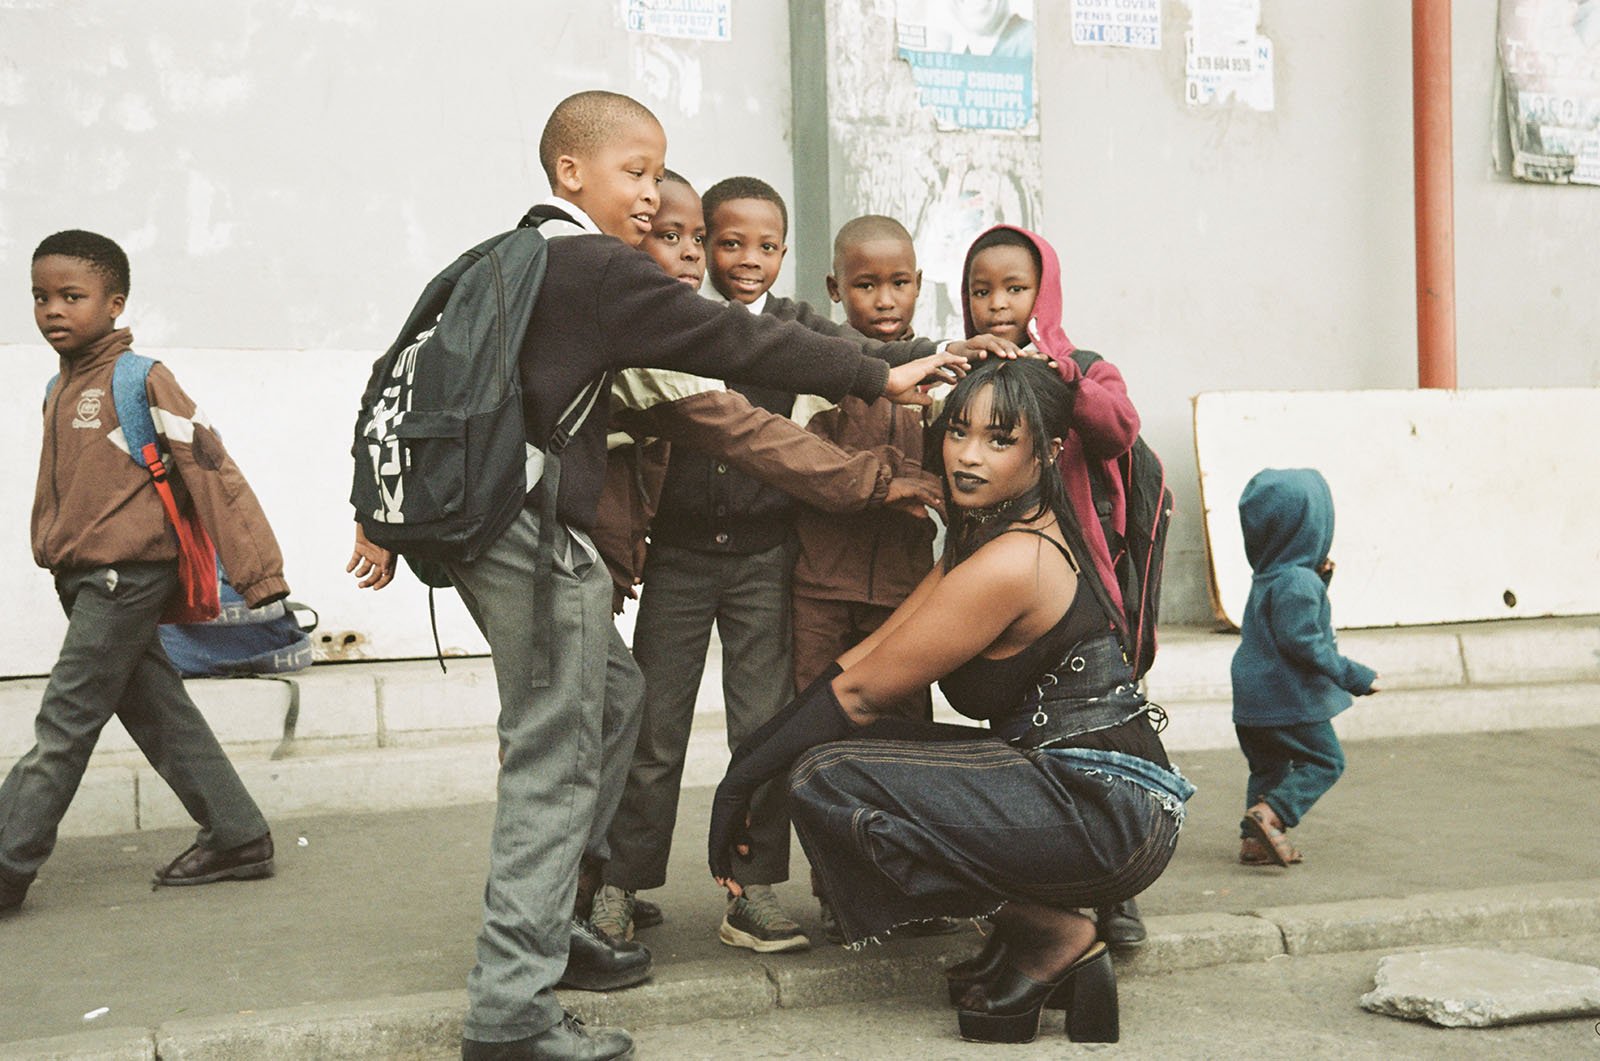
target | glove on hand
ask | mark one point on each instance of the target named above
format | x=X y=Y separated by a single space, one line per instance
x=896 y=727
x=812 y=718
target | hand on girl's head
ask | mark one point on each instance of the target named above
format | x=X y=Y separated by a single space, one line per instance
x=985 y=345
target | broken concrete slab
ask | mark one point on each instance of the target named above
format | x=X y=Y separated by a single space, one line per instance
x=1468 y=987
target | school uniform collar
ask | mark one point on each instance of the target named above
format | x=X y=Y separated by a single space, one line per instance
x=757 y=306
x=572 y=210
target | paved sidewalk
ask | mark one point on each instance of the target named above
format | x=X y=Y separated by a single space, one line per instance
x=400 y=735
x=361 y=944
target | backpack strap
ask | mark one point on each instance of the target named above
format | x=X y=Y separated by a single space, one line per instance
x=129 y=378
x=49 y=389
x=542 y=212
x=549 y=491
x=128 y=382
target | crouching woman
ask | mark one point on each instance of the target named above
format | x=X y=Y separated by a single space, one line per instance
x=1066 y=801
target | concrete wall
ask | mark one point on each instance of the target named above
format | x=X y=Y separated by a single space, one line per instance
x=285 y=177
x=1220 y=248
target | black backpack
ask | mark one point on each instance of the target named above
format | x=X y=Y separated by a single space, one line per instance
x=1138 y=555
x=442 y=461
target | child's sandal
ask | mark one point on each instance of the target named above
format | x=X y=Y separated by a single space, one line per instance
x=1274 y=841
x=1253 y=852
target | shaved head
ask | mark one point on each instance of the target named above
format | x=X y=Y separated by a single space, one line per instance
x=584 y=122
x=866 y=229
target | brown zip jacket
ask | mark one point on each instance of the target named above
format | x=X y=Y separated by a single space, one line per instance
x=95 y=507
x=877 y=556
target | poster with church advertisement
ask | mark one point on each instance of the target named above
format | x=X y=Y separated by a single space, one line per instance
x=972 y=61
x=1550 y=60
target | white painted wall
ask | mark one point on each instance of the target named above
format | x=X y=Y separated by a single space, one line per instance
x=1208 y=249
x=1227 y=249
x=285 y=177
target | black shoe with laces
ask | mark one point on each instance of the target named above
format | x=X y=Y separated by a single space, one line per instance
x=1120 y=926
x=596 y=962
x=12 y=892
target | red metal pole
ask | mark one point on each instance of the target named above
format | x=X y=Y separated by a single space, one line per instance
x=1436 y=255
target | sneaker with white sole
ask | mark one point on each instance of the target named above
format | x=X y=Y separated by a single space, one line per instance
x=613 y=912
x=756 y=922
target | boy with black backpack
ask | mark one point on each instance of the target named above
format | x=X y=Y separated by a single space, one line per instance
x=539 y=592
x=100 y=526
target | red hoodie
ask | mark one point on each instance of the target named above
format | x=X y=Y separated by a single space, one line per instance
x=1104 y=422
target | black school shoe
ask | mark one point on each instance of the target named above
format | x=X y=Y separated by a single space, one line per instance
x=199 y=865
x=566 y=1041
x=596 y=962
x=1120 y=926
x=12 y=892
x=646 y=914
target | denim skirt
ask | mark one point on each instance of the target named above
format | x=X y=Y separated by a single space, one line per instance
x=903 y=831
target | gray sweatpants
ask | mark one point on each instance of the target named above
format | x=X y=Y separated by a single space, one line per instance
x=550 y=790
x=112 y=663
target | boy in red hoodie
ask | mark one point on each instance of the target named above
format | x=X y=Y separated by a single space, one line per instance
x=1012 y=284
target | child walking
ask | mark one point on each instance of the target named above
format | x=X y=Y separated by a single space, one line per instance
x=101 y=530
x=1289 y=679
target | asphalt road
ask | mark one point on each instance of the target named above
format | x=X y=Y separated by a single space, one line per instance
x=1300 y=1008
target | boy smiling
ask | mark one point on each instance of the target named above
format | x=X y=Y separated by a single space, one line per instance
x=602 y=306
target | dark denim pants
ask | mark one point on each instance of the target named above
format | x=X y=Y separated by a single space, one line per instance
x=1290 y=766
x=902 y=831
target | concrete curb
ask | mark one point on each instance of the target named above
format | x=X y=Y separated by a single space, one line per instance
x=429 y=1025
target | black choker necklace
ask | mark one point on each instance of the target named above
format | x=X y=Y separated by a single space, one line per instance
x=1004 y=510
x=1007 y=509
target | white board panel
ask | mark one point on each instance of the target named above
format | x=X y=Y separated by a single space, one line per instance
x=1451 y=506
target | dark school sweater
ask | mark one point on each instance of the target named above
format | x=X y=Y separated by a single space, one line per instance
x=606 y=306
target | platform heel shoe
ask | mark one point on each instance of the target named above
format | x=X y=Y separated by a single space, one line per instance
x=979 y=969
x=1014 y=1003
x=1089 y=996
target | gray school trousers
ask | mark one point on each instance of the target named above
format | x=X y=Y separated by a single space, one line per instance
x=550 y=787
x=112 y=663
x=685 y=591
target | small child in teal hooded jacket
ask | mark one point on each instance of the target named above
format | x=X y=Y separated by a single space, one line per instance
x=1289 y=679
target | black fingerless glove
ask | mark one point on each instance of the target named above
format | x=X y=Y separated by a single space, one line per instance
x=814 y=717
x=897 y=727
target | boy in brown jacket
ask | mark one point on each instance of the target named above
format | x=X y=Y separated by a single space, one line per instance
x=100 y=528
x=852 y=571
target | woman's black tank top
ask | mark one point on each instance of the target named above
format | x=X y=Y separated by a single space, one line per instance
x=996 y=688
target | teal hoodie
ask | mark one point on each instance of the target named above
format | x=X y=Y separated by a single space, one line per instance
x=1287 y=670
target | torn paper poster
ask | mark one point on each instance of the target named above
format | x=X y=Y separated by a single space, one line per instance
x=972 y=62
x=1550 y=59
x=1224 y=27
x=1119 y=23
x=701 y=20
x=1214 y=78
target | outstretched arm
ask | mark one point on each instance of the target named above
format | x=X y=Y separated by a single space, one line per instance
x=949 y=620
x=763 y=445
